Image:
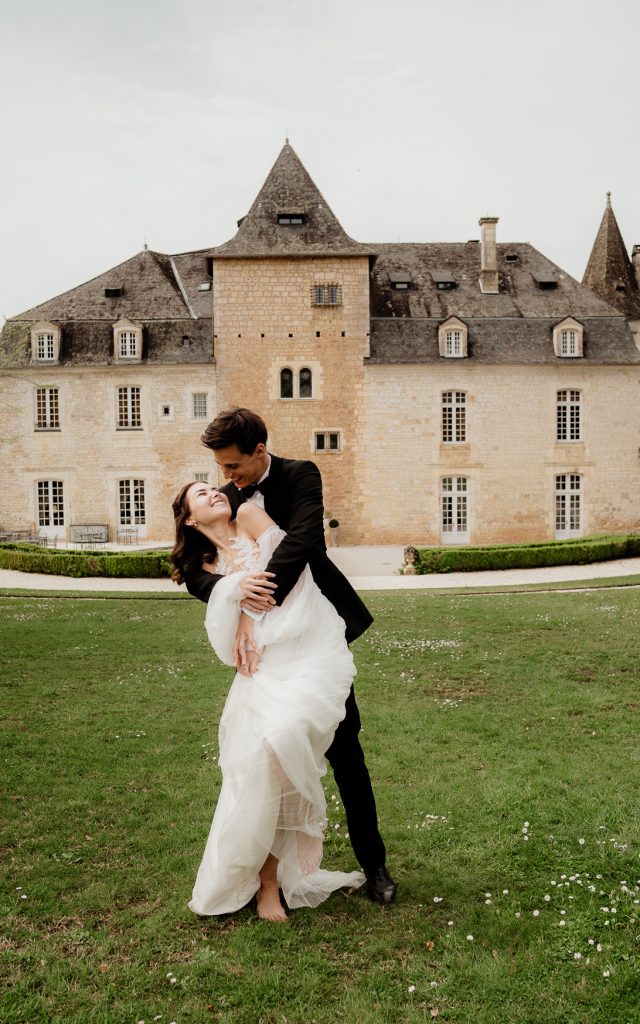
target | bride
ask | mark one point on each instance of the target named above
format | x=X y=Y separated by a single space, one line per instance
x=281 y=713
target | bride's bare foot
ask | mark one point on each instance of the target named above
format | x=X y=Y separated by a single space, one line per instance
x=269 y=906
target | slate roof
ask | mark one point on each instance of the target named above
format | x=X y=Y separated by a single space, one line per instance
x=609 y=270
x=289 y=189
x=160 y=292
x=514 y=326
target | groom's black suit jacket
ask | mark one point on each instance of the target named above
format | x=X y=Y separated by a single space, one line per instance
x=293 y=499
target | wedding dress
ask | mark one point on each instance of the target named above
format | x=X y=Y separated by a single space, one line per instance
x=274 y=731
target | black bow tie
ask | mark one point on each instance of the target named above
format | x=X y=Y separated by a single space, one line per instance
x=248 y=492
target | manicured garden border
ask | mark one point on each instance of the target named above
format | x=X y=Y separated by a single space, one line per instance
x=580 y=551
x=126 y=564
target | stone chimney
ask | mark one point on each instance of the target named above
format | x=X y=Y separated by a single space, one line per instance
x=488 y=256
x=635 y=260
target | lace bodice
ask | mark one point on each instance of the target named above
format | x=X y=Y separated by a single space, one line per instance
x=245 y=557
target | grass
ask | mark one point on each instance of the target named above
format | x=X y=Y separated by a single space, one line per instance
x=501 y=734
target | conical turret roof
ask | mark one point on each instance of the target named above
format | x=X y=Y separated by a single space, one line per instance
x=289 y=192
x=609 y=271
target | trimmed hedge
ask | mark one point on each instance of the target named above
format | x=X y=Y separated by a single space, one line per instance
x=580 y=551
x=135 y=564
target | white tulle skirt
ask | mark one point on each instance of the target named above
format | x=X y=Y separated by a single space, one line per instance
x=274 y=731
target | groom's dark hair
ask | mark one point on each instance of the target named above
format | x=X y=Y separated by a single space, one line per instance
x=236 y=426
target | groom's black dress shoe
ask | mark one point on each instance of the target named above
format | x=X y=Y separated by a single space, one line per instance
x=381 y=887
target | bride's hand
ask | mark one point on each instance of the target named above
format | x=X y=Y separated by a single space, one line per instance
x=245 y=653
x=257 y=590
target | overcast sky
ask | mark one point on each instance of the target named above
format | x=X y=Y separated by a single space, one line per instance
x=158 y=120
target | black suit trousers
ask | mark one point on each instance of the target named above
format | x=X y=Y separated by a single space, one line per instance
x=346 y=757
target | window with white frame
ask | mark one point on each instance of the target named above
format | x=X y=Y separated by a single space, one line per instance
x=46 y=349
x=568 y=502
x=129 y=409
x=201 y=478
x=47 y=409
x=327 y=441
x=199 y=407
x=453 y=343
x=128 y=344
x=45 y=342
x=568 y=415
x=50 y=503
x=326 y=294
x=568 y=339
x=453 y=337
x=454 y=417
x=568 y=342
x=132 y=509
x=454 y=510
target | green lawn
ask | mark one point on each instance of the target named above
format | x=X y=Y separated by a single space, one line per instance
x=501 y=732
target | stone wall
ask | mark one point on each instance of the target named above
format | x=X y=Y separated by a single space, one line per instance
x=90 y=454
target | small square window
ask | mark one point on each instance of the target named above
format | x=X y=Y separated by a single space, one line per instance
x=327 y=441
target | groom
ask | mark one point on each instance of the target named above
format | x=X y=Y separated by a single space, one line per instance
x=291 y=493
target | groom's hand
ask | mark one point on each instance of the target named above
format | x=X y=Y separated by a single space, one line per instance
x=257 y=589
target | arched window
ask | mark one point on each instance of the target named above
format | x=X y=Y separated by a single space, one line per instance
x=568 y=339
x=568 y=505
x=454 y=417
x=286 y=383
x=568 y=415
x=454 y=510
x=305 y=381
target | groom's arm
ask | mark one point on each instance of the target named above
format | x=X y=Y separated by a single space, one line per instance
x=305 y=532
x=200 y=583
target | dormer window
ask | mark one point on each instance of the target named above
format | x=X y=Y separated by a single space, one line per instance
x=127 y=342
x=400 y=282
x=45 y=342
x=291 y=219
x=443 y=280
x=545 y=282
x=326 y=295
x=568 y=339
x=453 y=339
x=512 y=257
x=114 y=293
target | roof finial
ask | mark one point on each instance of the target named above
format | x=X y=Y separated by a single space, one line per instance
x=286 y=138
x=608 y=200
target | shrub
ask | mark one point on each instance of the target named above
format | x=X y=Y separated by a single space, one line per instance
x=578 y=551
x=135 y=564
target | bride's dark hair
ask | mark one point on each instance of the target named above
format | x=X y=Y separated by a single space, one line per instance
x=191 y=547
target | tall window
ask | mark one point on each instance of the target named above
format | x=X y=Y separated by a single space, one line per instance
x=50 y=503
x=286 y=383
x=199 y=407
x=46 y=348
x=453 y=343
x=454 y=417
x=568 y=504
x=129 y=408
x=47 y=411
x=128 y=342
x=568 y=343
x=568 y=416
x=305 y=381
x=132 y=504
x=454 y=510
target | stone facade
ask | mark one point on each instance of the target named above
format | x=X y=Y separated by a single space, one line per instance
x=450 y=393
